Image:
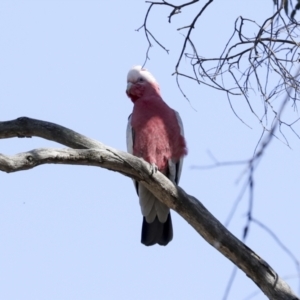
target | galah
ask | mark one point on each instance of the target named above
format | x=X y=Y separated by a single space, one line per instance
x=154 y=133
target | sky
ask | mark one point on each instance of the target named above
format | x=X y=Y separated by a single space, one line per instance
x=73 y=232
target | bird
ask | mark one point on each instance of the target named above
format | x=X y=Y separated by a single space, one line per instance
x=155 y=134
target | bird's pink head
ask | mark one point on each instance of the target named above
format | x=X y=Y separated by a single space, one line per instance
x=139 y=82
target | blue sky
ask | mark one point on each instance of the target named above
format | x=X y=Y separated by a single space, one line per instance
x=72 y=232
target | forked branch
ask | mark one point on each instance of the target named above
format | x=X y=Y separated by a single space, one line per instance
x=92 y=153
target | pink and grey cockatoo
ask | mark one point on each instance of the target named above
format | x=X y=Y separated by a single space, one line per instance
x=154 y=133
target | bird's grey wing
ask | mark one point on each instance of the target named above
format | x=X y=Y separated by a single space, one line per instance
x=176 y=168
x=129 y=143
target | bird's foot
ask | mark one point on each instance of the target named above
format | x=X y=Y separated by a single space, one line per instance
x=154 y=168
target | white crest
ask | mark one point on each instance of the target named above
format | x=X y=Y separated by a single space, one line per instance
x=137 y=72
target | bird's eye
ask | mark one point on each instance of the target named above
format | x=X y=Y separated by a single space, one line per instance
x=140 y=79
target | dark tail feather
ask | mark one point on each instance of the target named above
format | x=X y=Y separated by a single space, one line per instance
x=157 y=232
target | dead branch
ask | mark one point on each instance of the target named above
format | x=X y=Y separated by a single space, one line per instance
x=247 y=61
x=173 y=196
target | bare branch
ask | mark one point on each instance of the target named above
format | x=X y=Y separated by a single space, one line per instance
x=147 y=33
x=176 y=8
x=248 y=60
x=173 y=196
x=27 y=127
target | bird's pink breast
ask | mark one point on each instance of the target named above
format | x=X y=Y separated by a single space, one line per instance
x=157 y=135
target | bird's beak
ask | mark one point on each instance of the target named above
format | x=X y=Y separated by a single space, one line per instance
x=129 y=85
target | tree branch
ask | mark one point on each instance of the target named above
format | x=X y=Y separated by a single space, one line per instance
x=173 y=196
x=248 y=61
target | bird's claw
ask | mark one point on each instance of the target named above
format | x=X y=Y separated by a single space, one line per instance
x=154 y=168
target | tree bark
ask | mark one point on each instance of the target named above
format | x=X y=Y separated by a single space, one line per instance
x=93 y=153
